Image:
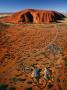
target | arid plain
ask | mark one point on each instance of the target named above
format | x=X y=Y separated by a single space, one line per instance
x=25 y=45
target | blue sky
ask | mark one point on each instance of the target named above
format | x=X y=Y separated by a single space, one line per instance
x=14 y=5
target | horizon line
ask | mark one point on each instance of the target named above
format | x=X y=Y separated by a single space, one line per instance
x=3 y=12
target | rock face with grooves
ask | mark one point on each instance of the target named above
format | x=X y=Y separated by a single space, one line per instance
x=33 y=16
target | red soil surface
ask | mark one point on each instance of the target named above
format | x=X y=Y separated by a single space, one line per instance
x=27 y=44
x=33 y=16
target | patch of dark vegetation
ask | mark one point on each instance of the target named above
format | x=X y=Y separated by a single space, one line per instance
x=30 y=88
x=15 y=79
x=49 y=86
x=65 y=61
x=29 y=82
x=12 y=88
x=34 y=64
x=58 y=80
x=3 y=86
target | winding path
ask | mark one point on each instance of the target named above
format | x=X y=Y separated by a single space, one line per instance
x=52 y=41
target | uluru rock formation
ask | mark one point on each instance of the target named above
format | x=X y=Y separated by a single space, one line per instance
x=33 y=16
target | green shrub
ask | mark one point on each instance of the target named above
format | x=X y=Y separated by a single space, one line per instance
x=15 y=79
x=58 y=80
x=3 y=86
x=12 y=88
x=30 y=88
x=33 y=65
x=50 y=85
x=29 y=82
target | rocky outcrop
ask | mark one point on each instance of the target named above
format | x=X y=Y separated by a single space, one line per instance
x=34 y=16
